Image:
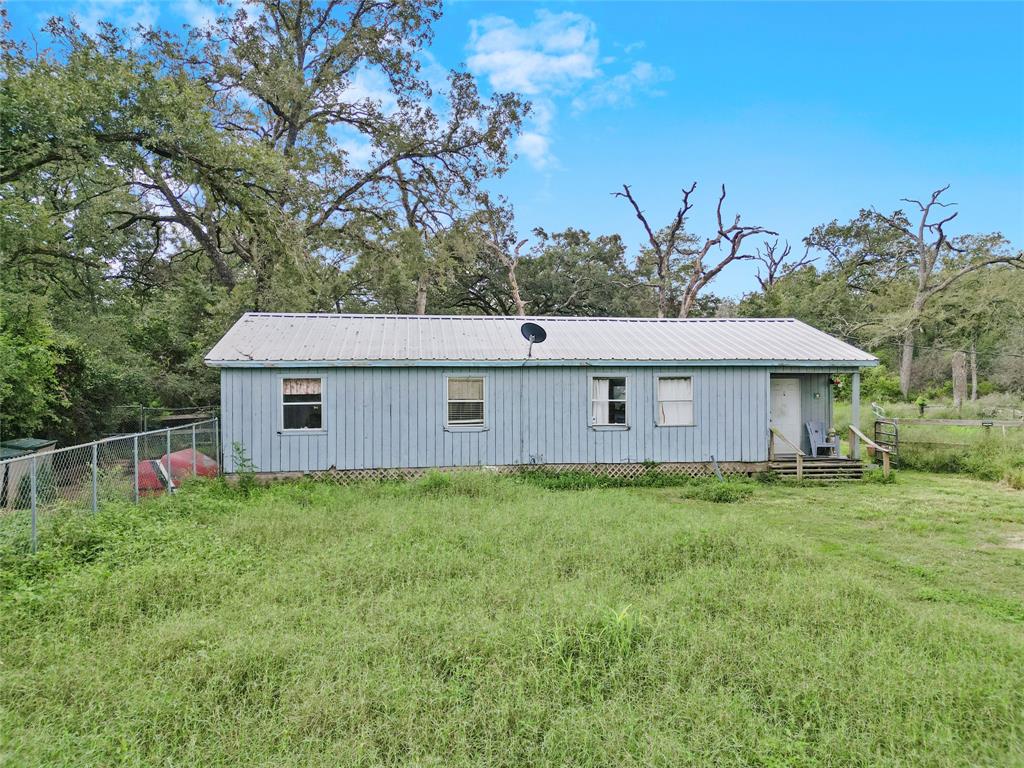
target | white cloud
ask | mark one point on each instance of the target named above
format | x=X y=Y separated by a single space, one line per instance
x=433 y=72
x=374 y=85
x=551 y=56
x=358 y=151
x=536 y=147
x=618 y=91
x=554 y=54
x=198 y=13
x=121 y=13
x=542 y=114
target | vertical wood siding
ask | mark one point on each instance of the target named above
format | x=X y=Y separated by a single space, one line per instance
x=815 y=404
x=377 y=417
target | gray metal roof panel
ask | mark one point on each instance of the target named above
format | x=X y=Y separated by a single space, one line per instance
x=280 y=339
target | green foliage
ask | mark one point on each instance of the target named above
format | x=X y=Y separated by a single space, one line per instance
x=878 y=476
x=718 y=491
x=878 y=384
x=988 y=457
x=452 y=485
x=144 y=208
x=310 y=624
x=591 y=652
x=161 y=184
x=1014 y=477
x=578 y=480
x=244 y=469
x=46 y=487
x=30 y=355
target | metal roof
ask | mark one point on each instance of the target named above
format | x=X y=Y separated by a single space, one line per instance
x=290 y=340
x=24 y=446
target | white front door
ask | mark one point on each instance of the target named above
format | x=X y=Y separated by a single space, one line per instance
x=786 y=411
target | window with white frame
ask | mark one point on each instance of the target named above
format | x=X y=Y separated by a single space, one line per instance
x=302 y=403
x=465 y=401
x=675 y=401
x=608 y=401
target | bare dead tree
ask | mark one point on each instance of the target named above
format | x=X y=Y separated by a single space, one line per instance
x=930 y=244
x=776 y=263
x=693 y=260
x=974 y=369
x=959 y=363
x=731 y=237
x=662 y=247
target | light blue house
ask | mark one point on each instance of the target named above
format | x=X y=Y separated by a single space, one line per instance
x=311 y=392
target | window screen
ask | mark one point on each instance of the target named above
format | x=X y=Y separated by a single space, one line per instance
x=302 y=404
x=675 y=401
x=608 y=401
x=465 y=401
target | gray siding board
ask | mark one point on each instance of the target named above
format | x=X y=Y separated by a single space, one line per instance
x=395 y=417
x=814 y=408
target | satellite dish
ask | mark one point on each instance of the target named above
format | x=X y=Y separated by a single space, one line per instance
x=533 y=333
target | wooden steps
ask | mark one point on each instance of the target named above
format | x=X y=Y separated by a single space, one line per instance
x=823 y=469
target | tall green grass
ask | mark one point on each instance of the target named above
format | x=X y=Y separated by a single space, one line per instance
x=985 y=453
x=475 y=620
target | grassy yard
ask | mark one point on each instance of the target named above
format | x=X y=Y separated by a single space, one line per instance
x=492 y=622
x=988 y=454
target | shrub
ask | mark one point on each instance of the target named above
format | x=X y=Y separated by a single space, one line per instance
x=1014 y=478
x=579 y=480
x=878 y=476
x=46 y=487
x=880 y=384
x=990 y=458
x=245 y=470
x=720 y=492
x=467 y=484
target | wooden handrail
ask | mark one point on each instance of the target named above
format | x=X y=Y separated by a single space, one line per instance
x=867 y=440
x=785 y=439
x=773 y=433
x=874 y=446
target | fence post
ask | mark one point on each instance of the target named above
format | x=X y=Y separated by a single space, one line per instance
x=95 y=476
x=193 y=450
x=135 y=463
x=170 y=479
x=32 y=486
x=855 y=414
x=216 y=444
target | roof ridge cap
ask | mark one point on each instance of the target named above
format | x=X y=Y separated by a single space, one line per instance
x=513 y=318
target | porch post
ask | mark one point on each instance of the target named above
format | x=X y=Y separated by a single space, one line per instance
x=855 y=415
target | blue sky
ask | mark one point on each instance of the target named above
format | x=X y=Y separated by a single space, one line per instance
x=806 y=111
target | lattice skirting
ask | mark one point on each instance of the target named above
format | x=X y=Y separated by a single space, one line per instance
x=628 y=471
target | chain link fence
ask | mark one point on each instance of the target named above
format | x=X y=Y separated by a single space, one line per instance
x=35 y=488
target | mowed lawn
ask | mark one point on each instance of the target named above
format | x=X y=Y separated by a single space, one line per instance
x=491 y=622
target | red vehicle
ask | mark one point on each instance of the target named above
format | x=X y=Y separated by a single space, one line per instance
x=153 y=472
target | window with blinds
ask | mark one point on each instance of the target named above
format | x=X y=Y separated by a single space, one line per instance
x=675 y=401
x=608 y=401
x=301 y=404
x=465 y=401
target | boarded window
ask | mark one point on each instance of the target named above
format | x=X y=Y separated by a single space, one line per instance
x=608 y=401
x=302 y=403
x=675 y=401
x=465 y=401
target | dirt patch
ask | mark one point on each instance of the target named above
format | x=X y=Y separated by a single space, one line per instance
x=1014 y=541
